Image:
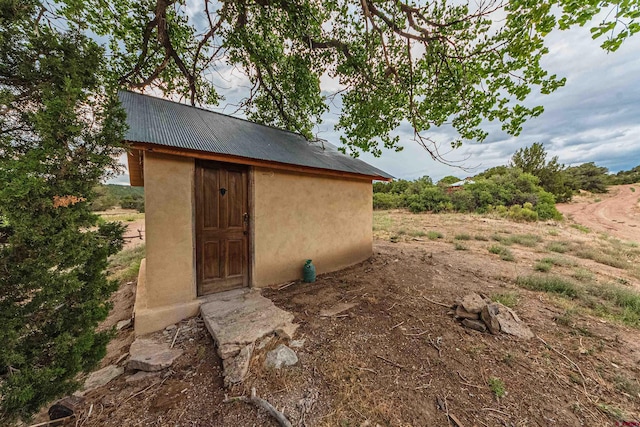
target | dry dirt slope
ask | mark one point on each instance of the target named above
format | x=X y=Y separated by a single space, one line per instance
x=397 y=359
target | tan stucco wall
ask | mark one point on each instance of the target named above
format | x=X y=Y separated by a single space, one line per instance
x=301 y=216
x=169 y=282
x=294 y=217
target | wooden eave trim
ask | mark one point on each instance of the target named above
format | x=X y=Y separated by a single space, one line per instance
x=134 y=161
x=155 y=148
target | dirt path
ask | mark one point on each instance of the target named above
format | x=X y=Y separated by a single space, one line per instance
x=617 y=213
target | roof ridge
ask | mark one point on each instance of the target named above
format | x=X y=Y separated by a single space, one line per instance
x=214 y=112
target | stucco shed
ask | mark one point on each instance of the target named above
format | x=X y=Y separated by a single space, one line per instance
x=230 y=203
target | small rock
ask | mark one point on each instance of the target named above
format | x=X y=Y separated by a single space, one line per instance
x=280 y=356
x=123 y=324
x=511 y=324
x=297 y=343
x=474 y=324
x=336 y=309
x=141 y=375
x=464 y=314
x=473 y=303
x=236 y=368
x=489 y=316
x=103 y=376
x=148 y=355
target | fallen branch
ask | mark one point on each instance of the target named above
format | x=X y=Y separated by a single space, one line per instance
x=584 y=380
x=175 y=337
x=391 y=362
x=436 y=302
x=263 y=404
x=495 y=410
x=395 y=326
x=286 y=285
x=467 y=383
x=373 y=371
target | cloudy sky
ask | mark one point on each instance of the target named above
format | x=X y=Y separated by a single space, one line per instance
x=595 y=117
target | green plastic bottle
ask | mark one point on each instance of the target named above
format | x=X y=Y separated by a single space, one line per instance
x=309 y=272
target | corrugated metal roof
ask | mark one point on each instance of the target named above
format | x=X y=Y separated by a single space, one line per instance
x=159 y=121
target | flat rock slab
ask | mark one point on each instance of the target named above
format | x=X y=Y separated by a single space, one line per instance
x=236 y=320
x=141 y=375
x=512 y=325
x=101 y=377
x=336 y=309
x=150 y=356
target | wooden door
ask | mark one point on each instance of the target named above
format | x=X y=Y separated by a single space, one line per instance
x=222 y=227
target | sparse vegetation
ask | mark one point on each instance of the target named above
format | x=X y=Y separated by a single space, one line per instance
x=583 y=275
x=505 y=253
x=497 y=387
x=551 y=284
x=124 y=265
x=462 y=236
x=559 y=247
x=510 y=299
x=460 y=246
x=602 y=258
x=542 y=266
x=582 y=228
x=433 y=235
x=559 y=261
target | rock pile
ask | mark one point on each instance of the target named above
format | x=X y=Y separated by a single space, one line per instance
x=481 y=314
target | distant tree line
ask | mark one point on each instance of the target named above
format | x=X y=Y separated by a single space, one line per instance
x=525 y=189
x=111 y=195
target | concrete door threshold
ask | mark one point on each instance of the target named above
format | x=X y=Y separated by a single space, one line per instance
x=237 y=319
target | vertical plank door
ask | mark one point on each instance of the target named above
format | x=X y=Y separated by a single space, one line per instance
x=222 y=232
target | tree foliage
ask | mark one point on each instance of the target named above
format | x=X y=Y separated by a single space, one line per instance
x=428 y=64
x=551 y=173
x=512 y=193
x=59 y=132
x=589 y=177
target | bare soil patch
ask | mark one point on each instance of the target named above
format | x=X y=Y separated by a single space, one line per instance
x=398 y=359
x=616 y=213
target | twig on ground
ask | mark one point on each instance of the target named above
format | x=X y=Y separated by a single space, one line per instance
x=467 y=383
x=263 y=404
x=286 y=285
x=391 y=362
x=584 y=380
x=142 y=391
x=395 y=326
x=436 y=346
x=455 y=420
x=175 y=337
x=436 y=302
x=394 y=304
x=495 y=410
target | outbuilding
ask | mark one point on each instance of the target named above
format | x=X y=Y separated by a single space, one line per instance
x=230 y=204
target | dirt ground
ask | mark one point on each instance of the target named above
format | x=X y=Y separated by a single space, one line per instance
x=399 y=359
x=617 y=212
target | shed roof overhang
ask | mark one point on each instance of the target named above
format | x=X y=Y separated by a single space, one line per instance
x=136 y=163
